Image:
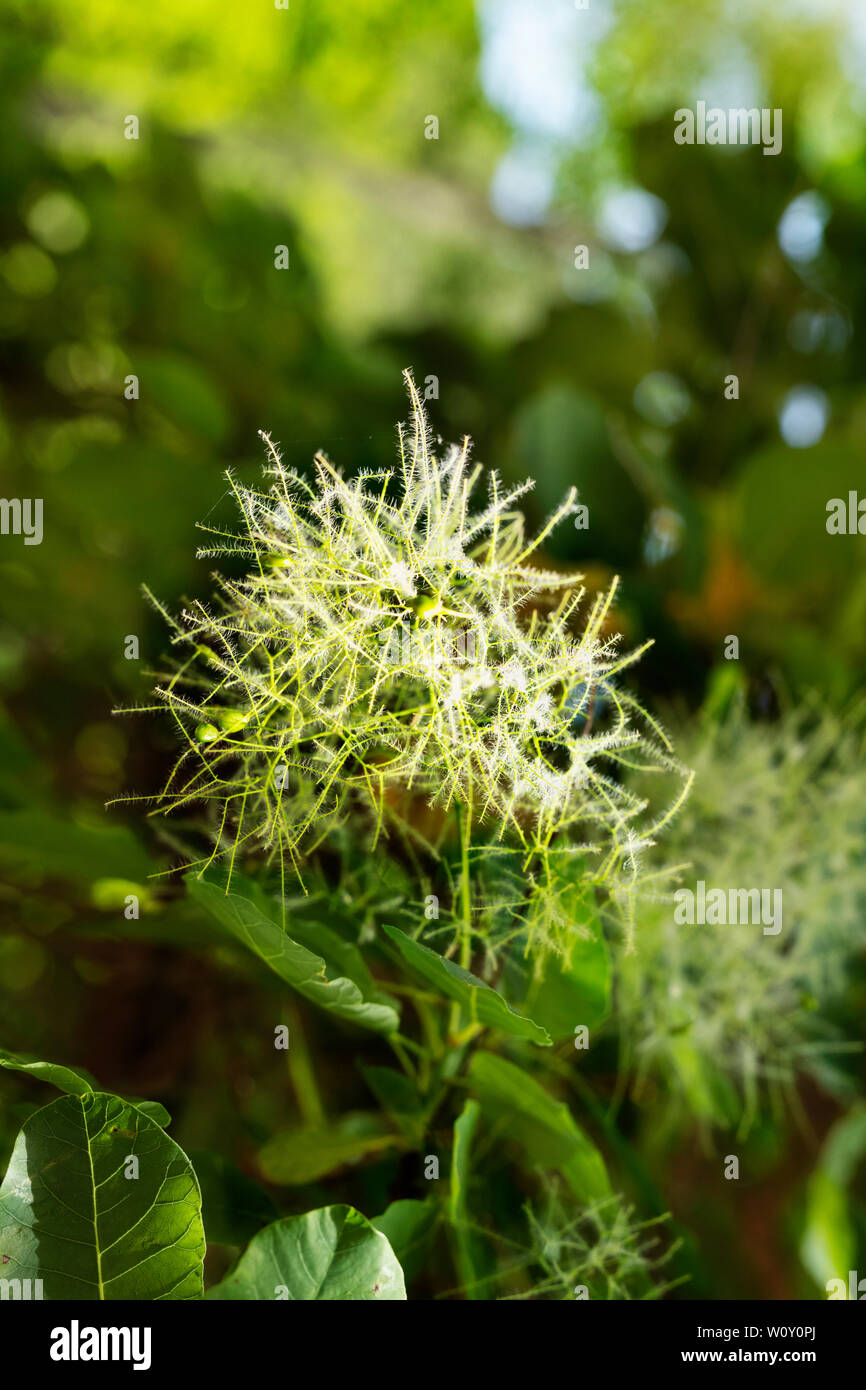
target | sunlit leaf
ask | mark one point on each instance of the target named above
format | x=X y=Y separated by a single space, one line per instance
x=75 y=1081
x=244 y=909
x=99 y=1203
x=333 y=1254
x=482 y=1004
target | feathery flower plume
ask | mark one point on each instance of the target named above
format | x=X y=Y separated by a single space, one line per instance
x=392 y=639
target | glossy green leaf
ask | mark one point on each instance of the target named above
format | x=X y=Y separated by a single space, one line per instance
x=154 y=1111
x=333 y=1254
x=75 y=1081
x=341 y=957
x=482 y=1004
x=545 y=1127
x=251 y=918
x=71 y=1216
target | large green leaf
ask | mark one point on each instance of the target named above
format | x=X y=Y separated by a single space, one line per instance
x=333 y=1254
x=70 y=1215
x=482 y=1003
x=543 y=1126
x=249 y=915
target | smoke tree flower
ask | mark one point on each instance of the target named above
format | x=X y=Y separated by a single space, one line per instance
x=726 y=1016
x=393 y=641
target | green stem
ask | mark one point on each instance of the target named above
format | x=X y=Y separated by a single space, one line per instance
x=464 y=828
x=302 y=1074
x=464 y=823
x=398 y=1046
x=427 y=1018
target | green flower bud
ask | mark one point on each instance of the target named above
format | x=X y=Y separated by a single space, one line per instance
x=426 y=605
x=232 y=720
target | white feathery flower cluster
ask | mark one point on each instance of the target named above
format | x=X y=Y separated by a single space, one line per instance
x=390 y=641
x=726 y=1016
